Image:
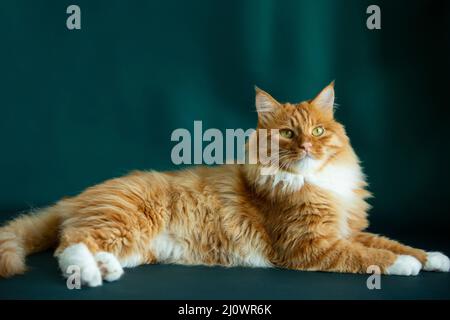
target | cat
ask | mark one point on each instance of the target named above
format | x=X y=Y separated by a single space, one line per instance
x=311 y=214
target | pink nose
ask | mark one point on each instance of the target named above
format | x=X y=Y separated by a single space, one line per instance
x=307 y=146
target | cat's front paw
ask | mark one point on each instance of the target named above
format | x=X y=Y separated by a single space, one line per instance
x=109 y=266
x=437 y=261
x=405 y=266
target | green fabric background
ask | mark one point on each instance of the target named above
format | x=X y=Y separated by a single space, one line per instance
x=78 y=107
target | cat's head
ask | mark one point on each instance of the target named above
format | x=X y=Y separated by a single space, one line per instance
x=308 y=135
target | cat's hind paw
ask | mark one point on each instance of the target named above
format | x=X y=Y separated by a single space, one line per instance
x=437 y=261
x=109 y=266
x=78 y=255
x=405 y=266
x=91 y=276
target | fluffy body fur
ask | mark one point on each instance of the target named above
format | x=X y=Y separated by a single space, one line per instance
x=310 y=215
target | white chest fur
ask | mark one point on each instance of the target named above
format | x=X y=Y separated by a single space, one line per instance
x=339 y=179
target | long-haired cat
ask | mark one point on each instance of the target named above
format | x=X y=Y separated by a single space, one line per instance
x=309 y=215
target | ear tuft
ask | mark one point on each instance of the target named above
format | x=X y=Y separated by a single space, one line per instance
x=266 y=106
x=325 y=99
x=265 y=102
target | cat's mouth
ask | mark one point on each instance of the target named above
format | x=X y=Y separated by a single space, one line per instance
x=306 y=162
x=306 y=155
x=299 y=162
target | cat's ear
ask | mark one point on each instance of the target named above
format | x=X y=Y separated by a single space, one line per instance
x=325 y=99
x=266 y=105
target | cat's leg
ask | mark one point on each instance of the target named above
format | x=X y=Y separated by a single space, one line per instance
x=109 y=266
x=89 y=255
x=79 y=256
x=375 y=241
x=340 y=255
x=109 y=226
x=93 y=267
x=431 y=261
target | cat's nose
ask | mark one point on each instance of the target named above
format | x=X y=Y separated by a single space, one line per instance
x=307 y=146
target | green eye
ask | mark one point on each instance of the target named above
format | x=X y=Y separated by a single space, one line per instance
x=286 y=133
x=318 y=131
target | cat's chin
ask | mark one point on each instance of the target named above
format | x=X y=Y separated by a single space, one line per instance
x=306 y=157
x=307 y=164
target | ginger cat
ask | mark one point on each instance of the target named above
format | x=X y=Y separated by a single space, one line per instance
x=310 y=215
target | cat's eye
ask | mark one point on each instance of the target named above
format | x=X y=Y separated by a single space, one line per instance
x=318 y=131
x=286 y=133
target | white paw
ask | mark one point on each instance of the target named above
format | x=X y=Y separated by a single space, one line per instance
x=91 y=276
x=405 y=266
x=78 y=255
x=437 y=261
x=109 y=266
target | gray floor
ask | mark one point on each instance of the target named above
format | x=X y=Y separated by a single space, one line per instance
x=179 y=282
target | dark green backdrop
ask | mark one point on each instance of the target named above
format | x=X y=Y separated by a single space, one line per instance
x=78 y=107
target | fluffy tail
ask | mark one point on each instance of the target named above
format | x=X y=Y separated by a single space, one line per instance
x=25 y=235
